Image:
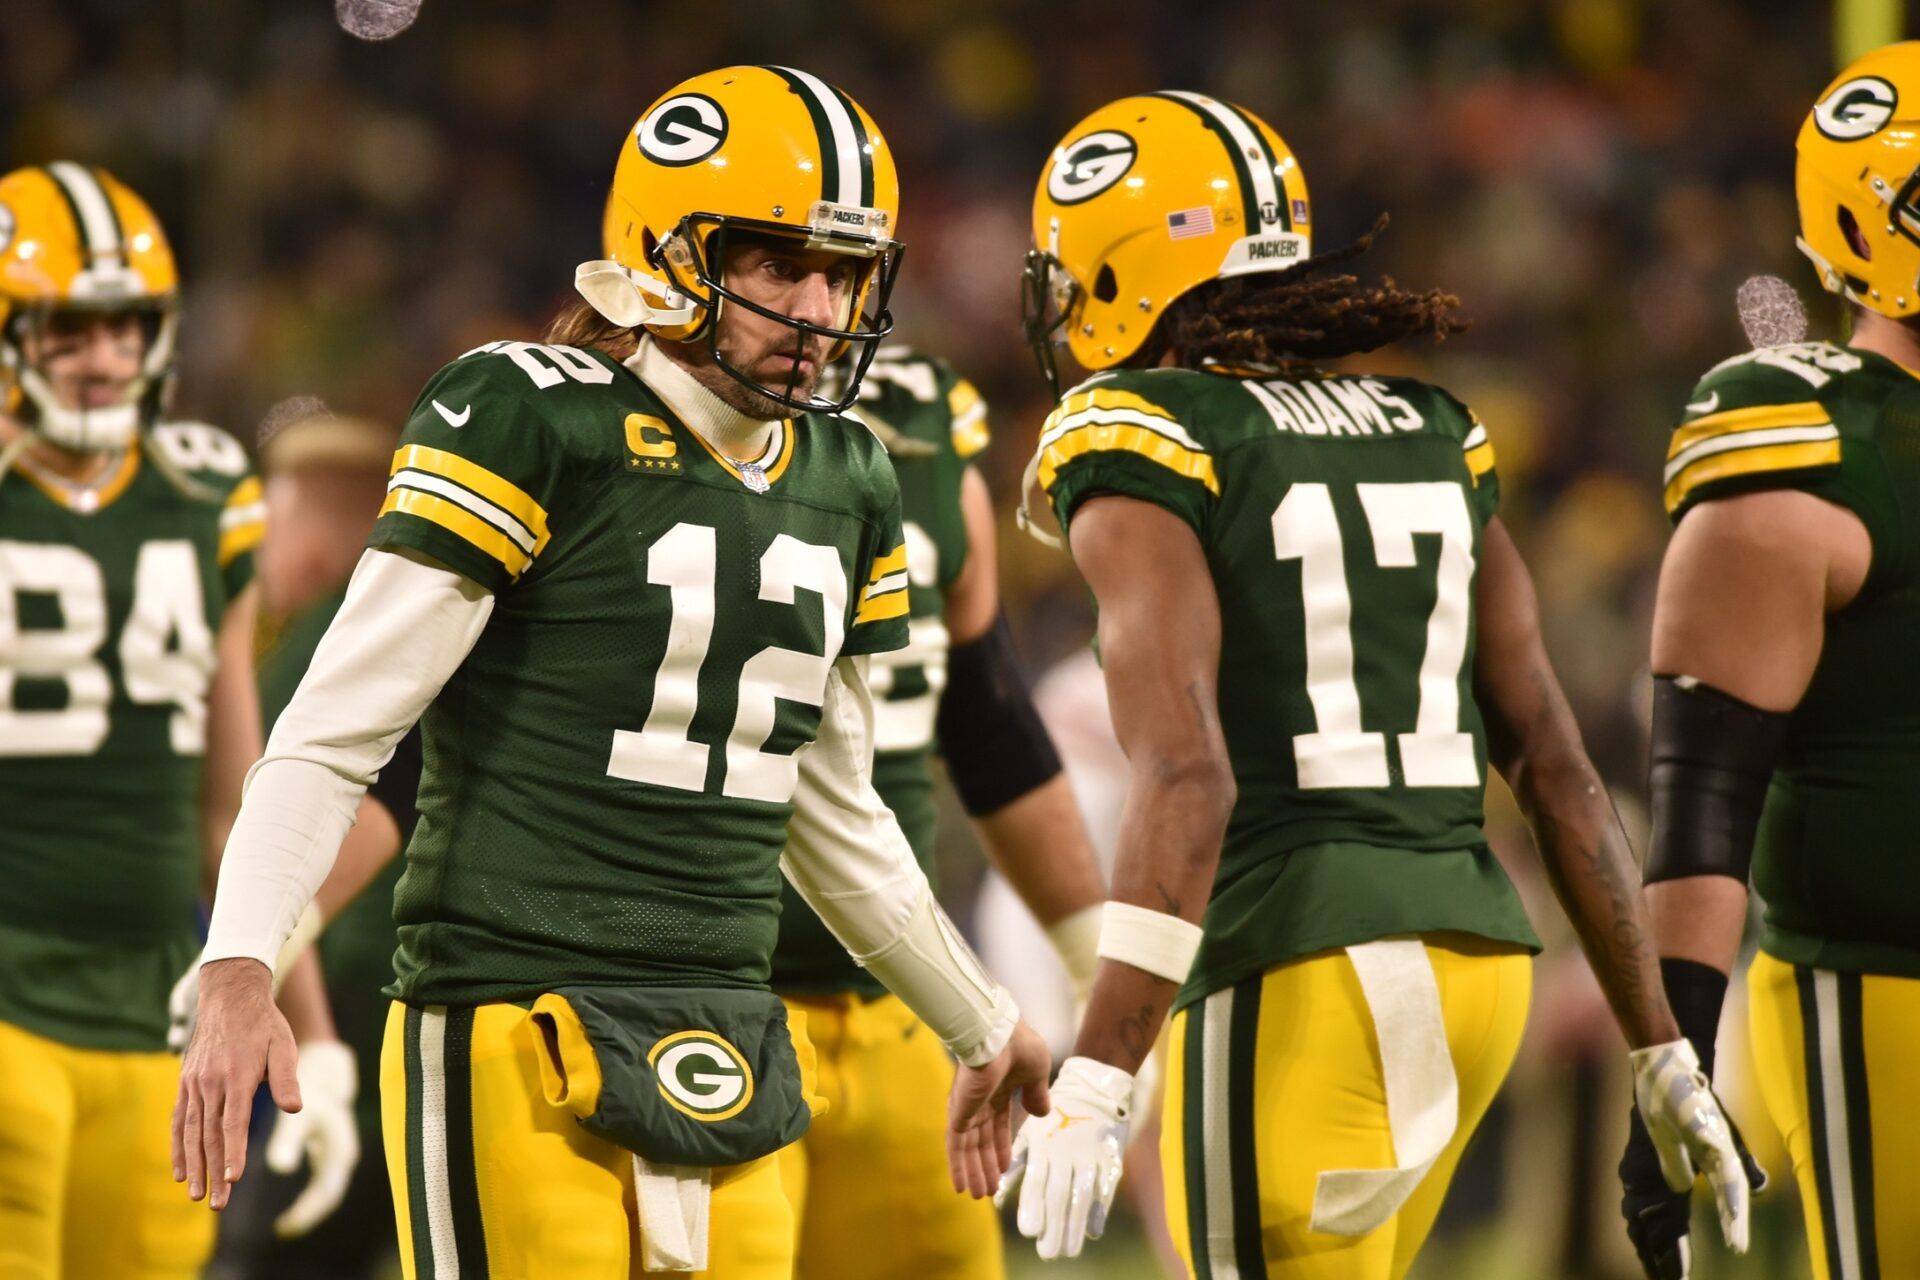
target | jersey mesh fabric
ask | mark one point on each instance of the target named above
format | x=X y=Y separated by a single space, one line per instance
x=1833 y=860
x=1367 y=847
x=545 y=856
x=100 y=863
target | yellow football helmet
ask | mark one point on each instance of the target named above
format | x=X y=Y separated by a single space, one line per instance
x=765 y=150
x=73 y=238
x=1143 y=200
x=1857 y=176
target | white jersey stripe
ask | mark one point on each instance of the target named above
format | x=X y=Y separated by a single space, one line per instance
x=408 y=478
x=433 y=1144
x=1095 y=416
x=843 y=186
x=97 y=220
x=1747 y=440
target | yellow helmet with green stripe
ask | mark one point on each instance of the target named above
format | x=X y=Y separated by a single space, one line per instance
x=763 y=150
x=74 y=238
x=1145 y=199
x=1857 y=179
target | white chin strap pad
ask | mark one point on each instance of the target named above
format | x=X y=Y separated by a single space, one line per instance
x=1423 y=1093
x=82 y=430
x=624 y=297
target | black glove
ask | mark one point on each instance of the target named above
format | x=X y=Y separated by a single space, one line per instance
x=1658 y=1217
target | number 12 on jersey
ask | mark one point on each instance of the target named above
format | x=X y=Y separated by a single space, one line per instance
x=1340 y=752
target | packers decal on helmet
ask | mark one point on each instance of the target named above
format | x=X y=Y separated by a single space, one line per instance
x=682 y=130
x=1858 y=108
x=1083 y=169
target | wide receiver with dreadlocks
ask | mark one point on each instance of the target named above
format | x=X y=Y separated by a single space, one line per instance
x=1317 y=637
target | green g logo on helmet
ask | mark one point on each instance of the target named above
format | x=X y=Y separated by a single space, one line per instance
x=702 y=1075
x=1857 y=109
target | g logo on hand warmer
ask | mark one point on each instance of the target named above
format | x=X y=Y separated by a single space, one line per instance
x=702 y=1075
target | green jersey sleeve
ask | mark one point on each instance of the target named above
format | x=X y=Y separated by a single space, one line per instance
x=1759 y=421
x=216 y=461
x=878 y=621
x=477 y=468
x=1124 y=434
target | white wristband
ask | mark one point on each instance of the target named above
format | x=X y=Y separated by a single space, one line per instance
x=1153 y=941
x=1076 y=940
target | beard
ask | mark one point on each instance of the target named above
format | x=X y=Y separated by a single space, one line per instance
x=741 y=398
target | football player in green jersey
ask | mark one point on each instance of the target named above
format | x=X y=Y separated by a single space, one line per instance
x=957 y=688
x=1316 y=637
x=633 y=586
x=1786 y=713
x=127 y=718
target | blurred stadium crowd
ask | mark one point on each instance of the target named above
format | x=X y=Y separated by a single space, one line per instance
x=1594 y=178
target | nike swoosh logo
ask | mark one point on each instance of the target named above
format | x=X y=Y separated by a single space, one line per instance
x=1708 y=405
x=455 y=420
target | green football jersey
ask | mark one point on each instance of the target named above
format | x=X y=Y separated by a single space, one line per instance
x=609 y=773
x=1834 y=860
x=919 y=400
x=1341 y=519
x=110 y=613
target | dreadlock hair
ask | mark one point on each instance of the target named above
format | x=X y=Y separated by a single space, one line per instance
x=1289 y=319
x=579 y=325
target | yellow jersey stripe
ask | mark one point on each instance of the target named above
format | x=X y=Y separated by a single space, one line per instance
x=458 y=520
x=892 y=562
x=104 y=494
x=773 y=471
x=504 y=494
x=239 y=540
x=1741 y=462
x=879 y=608
x=1480 y=460
x=1806 y=413
x=1114 y=437
x=968 y=409
x=247 y=491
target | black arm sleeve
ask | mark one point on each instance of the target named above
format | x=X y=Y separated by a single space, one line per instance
x=995 y=746
x=398 y=786
x=1713 y=758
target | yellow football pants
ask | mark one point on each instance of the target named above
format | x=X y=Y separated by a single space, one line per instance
x=1837 y=1056
x=869 y=1181
x=1284 y=1071
x=491 y=1180
x=86 y=1170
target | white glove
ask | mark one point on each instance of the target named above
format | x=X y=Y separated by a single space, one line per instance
x=323 y=1130
x=183 y=1006
x=1066 y=1164
x=1690 y=1132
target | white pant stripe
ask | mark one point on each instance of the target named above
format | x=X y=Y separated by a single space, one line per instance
x=1833 y=1098
x=1216 y=1124
x=433 y=1144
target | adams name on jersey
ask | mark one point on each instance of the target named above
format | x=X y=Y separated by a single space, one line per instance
x=942 y=420
x=609 y=773
x=1834 y=858
x=1341 y=518
x=110 y=613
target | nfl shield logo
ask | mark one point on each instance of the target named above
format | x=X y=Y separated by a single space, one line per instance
x=1299 y=213
x=754 y=476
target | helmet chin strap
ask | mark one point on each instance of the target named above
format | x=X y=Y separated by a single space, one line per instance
x=630 y=299
x=82 y=430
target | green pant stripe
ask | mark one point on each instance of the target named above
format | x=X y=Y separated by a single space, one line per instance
x=416 y=1159
x=1853 y=1067
x=1249 y=1253
x=1193 y=1135
x=462 y=1175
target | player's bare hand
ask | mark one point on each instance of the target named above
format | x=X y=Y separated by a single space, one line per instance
x=239 y=1039
x=980 y=1110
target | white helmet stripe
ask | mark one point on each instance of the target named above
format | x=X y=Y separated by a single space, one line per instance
x=99 y=226
x=843 y=185
x=1266 y=188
